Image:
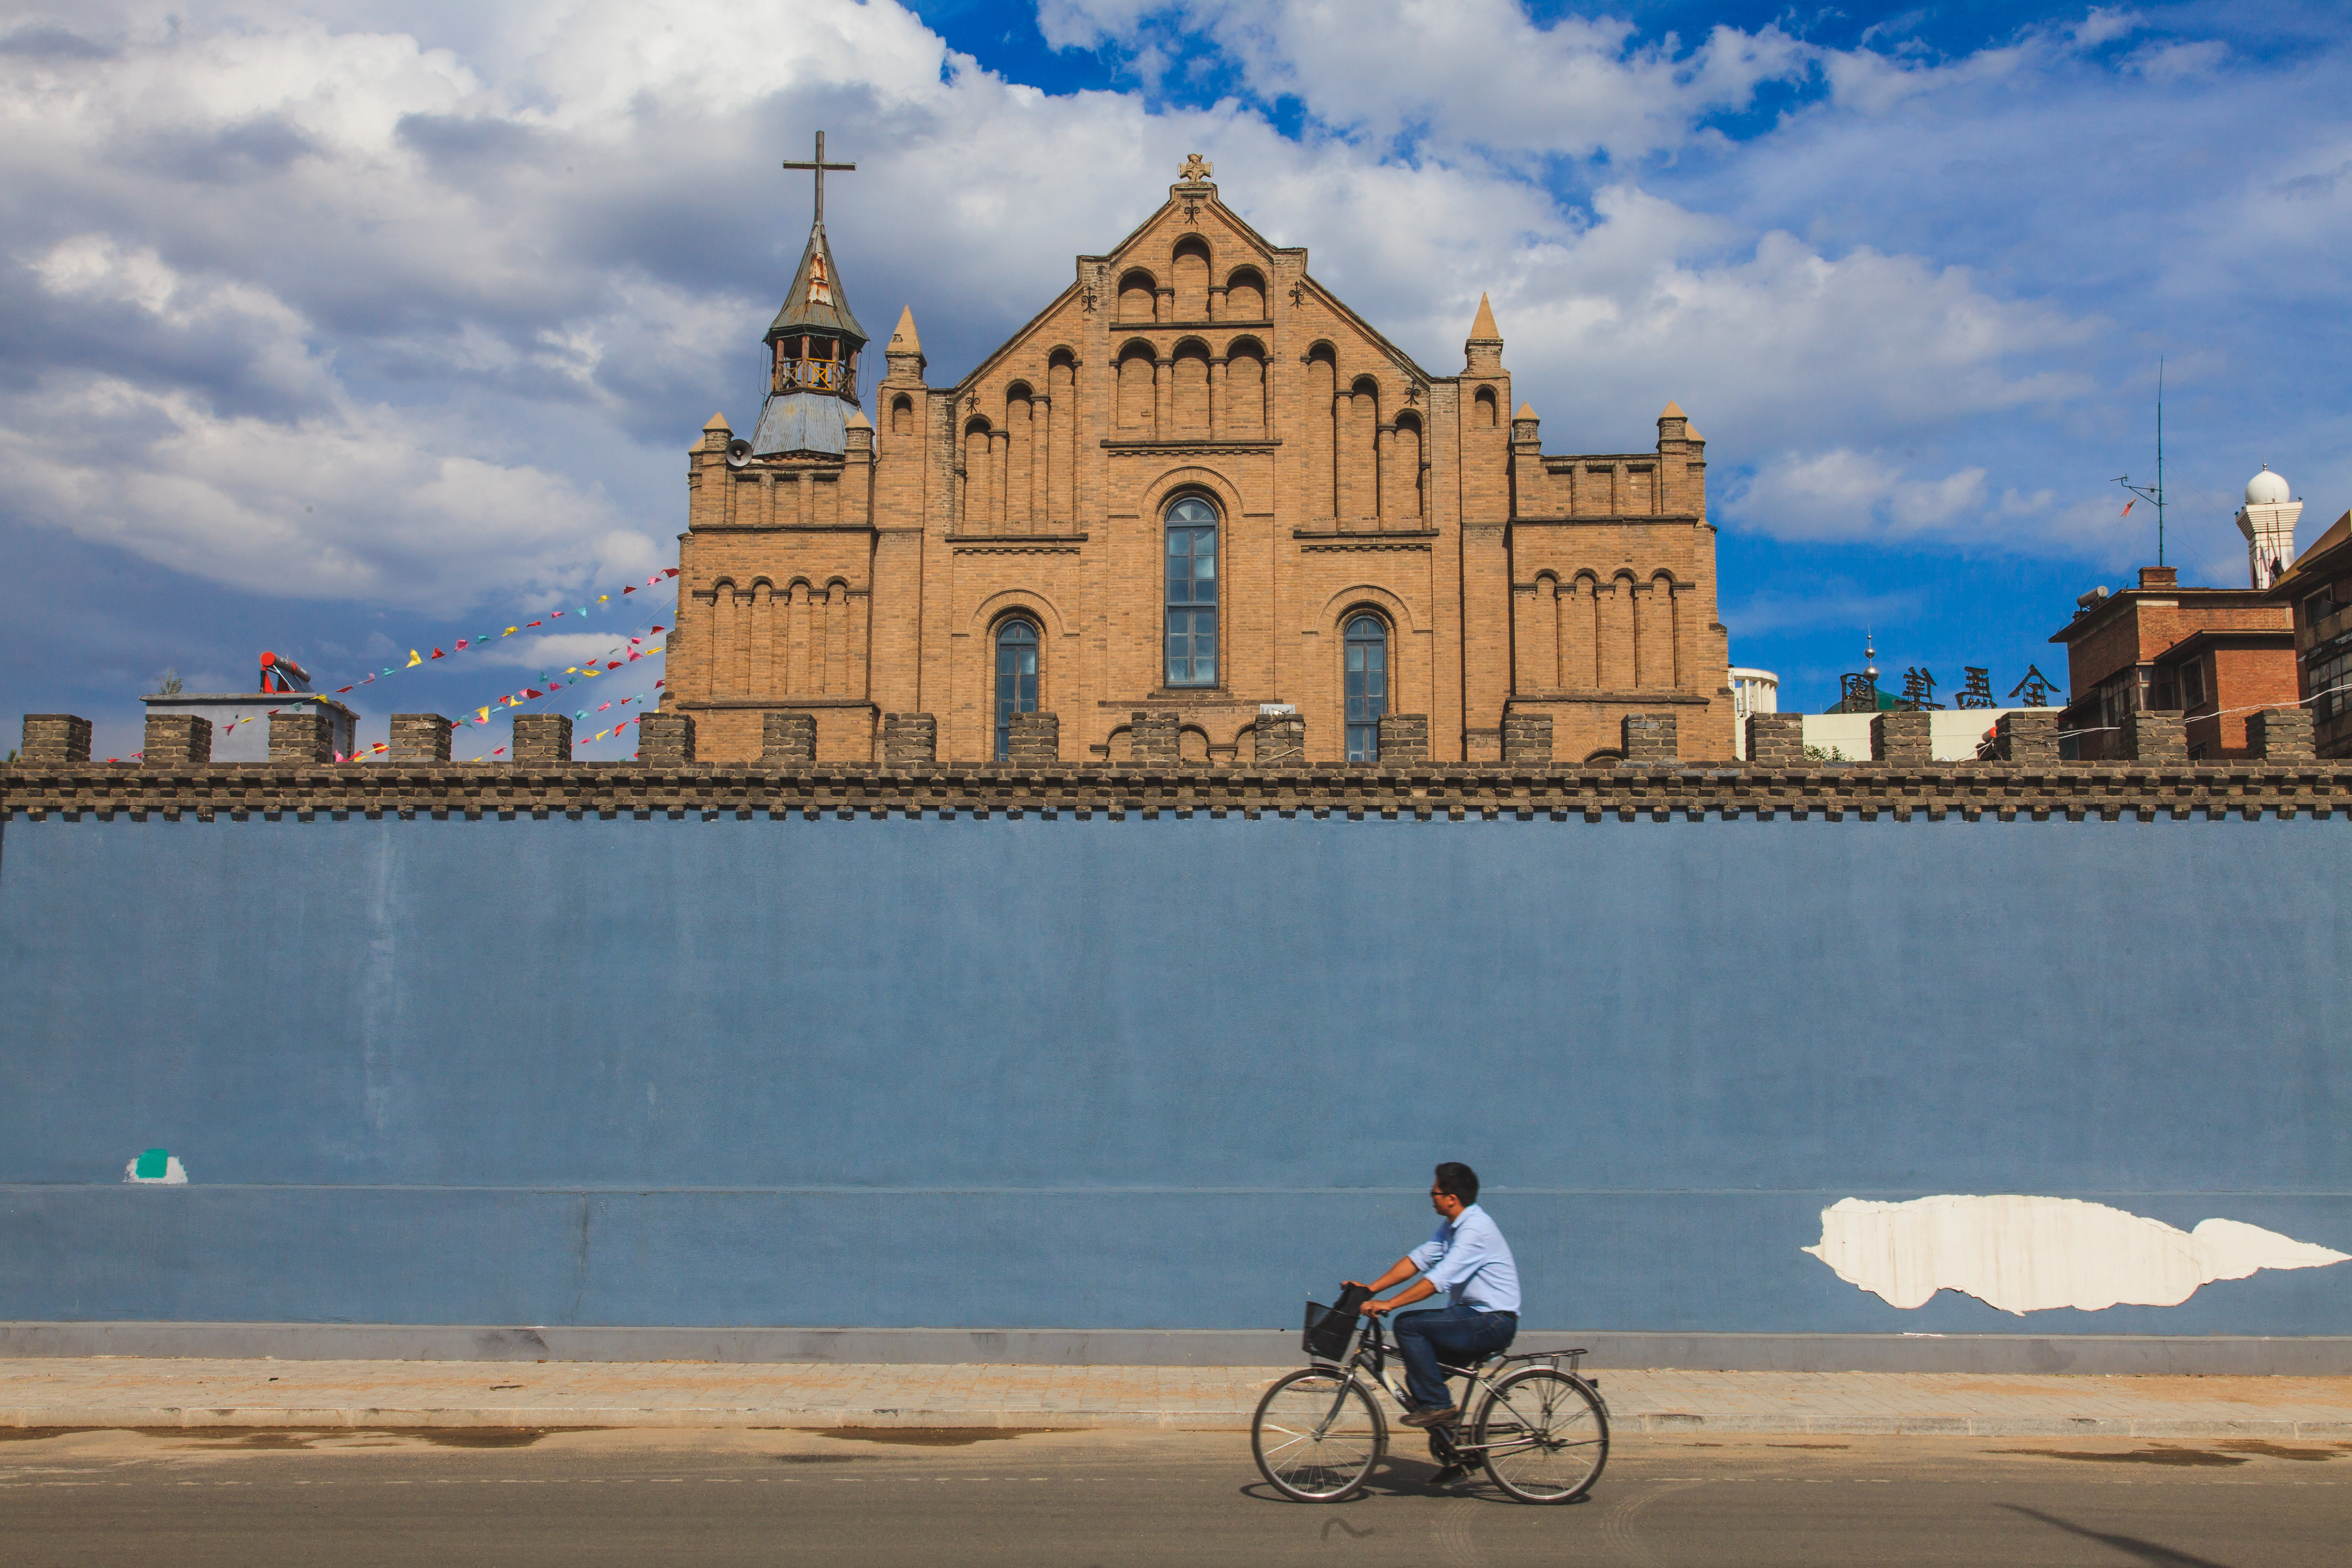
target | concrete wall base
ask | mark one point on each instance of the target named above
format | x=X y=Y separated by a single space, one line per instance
x=2096 y=1354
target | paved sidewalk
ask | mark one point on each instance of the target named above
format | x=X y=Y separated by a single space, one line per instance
x=124 y=1392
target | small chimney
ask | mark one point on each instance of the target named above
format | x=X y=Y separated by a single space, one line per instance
x=2159 y=577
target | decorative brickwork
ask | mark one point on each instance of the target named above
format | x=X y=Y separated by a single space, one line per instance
x=1901 y=739
x=420 y=738
x=908 y=738
x=177 y=740
x=302 y=735
x=2109 y=792
x=2156 y=737
x=666 y=738
x=1404 y=738
x=1155 y=737
x=1776 y=739
x=2030 y=740
x=2281 y=735
x=1032 y=739
x=1649 y=740
x=873 y=570
x=56 y=738
x=543 y=738
x=1527 y=739
x=788 y=738
x=1281 y=741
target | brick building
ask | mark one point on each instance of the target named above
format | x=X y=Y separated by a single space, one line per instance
x=1195 y=484
x=2318 y=593
x=2209 y=654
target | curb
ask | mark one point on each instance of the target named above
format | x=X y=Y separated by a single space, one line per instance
x=739 y=1418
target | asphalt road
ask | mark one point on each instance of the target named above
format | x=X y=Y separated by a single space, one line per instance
x=259 y=1499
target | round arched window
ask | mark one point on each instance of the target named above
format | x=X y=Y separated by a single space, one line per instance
x=1367 y=645
x=1192 y=593
x=1016 y=679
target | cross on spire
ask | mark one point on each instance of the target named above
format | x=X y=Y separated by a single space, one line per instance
x=818 y=166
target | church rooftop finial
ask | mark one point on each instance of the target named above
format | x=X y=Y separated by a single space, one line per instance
x=1196 y=170
x=1483 y=328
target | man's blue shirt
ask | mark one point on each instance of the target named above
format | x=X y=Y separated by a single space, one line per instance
x=1470 y=1261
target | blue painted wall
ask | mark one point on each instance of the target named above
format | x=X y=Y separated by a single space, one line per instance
x=1171 y=1073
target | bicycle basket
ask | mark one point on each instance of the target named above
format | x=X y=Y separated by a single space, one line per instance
x=1329 y=1328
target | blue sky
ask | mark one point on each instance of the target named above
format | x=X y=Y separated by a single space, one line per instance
x=353 y=327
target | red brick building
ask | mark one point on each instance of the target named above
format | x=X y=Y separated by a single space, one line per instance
x=2212 y=654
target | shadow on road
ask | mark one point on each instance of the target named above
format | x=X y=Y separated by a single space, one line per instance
x=2130 y=1545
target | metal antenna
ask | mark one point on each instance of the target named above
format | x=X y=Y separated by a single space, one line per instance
x=2154 y=496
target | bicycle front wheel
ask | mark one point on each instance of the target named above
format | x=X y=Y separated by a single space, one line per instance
x=1544 y=1436
x=1317 y=1435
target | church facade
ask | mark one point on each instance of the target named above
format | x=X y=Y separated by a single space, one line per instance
x=1195 y=485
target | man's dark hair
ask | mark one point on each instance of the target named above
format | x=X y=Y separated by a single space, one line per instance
x=1459 y=1180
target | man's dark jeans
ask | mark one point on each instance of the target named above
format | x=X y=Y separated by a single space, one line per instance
x=1425 y=1339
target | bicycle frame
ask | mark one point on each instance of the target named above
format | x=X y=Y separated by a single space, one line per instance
x=1370 y=1364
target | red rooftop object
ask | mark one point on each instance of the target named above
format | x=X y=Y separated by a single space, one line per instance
x=280 y=673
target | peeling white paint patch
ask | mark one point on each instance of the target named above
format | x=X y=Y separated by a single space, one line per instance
x=156 y=1167
x=2029 y=1254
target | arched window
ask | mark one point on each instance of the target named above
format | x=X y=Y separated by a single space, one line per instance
x=1367 y=686
x=1016 y=680
x=1192 y=593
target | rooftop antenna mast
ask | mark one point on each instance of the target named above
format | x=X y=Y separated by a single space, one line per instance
x=2154 y=497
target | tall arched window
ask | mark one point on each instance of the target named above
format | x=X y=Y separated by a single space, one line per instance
x=1367 y=686
x=1016 y=680
x=1192 y=593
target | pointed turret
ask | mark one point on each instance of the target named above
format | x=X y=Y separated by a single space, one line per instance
x=904 y=350
x=812 y=347
x=1483 y=354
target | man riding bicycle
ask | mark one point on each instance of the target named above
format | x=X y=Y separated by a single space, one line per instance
x=1469 y=1260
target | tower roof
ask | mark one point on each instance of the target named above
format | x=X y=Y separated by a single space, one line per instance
x=817 y=302
x=903 y=339
x=1482 y=327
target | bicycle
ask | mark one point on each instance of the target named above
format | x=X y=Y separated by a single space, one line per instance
x=1541 y=1433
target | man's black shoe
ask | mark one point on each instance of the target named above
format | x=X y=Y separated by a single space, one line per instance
x=1449 y=1475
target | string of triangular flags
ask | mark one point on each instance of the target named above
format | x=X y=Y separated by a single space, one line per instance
x=417 y=657
x=635 y=649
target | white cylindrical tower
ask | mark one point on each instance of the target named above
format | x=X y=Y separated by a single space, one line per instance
x=1752 y=691
x=2268 y=520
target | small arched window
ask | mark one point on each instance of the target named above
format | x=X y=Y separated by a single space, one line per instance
x=1192 y=593
x=1016 y=679
x=1367 y=686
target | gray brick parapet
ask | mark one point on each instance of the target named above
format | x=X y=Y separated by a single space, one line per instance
x=2281 y=735
x=788 y=737
x=1901 y=739
x=910 y=738
x=1155 y=736
x=2026 y=738
x=419 y=738
x=1441 y=790
x=1527 y=739
x=56 y=738
x=1033 y=739
x=666 y=738
x=1404 y=737
x=543 y=738
x=1649 y=740
x=177 y=740
x=2156 y=736
x=1282 y=740
x=1776 y=739
x=301 y=735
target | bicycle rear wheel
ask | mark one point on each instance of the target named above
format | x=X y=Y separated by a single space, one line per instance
x=1317 y=1435
x=1544 y=1434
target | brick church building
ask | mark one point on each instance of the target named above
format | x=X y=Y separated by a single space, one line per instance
x=1196 y=487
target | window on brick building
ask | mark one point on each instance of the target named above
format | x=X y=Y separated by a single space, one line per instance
x=2193 y=684
x=1367 y=657
x=1192 y=593
x=1016 y=680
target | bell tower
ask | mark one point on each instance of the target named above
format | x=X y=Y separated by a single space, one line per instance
x=813 y=348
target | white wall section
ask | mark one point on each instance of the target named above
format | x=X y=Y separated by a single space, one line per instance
x=2029 y=1254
